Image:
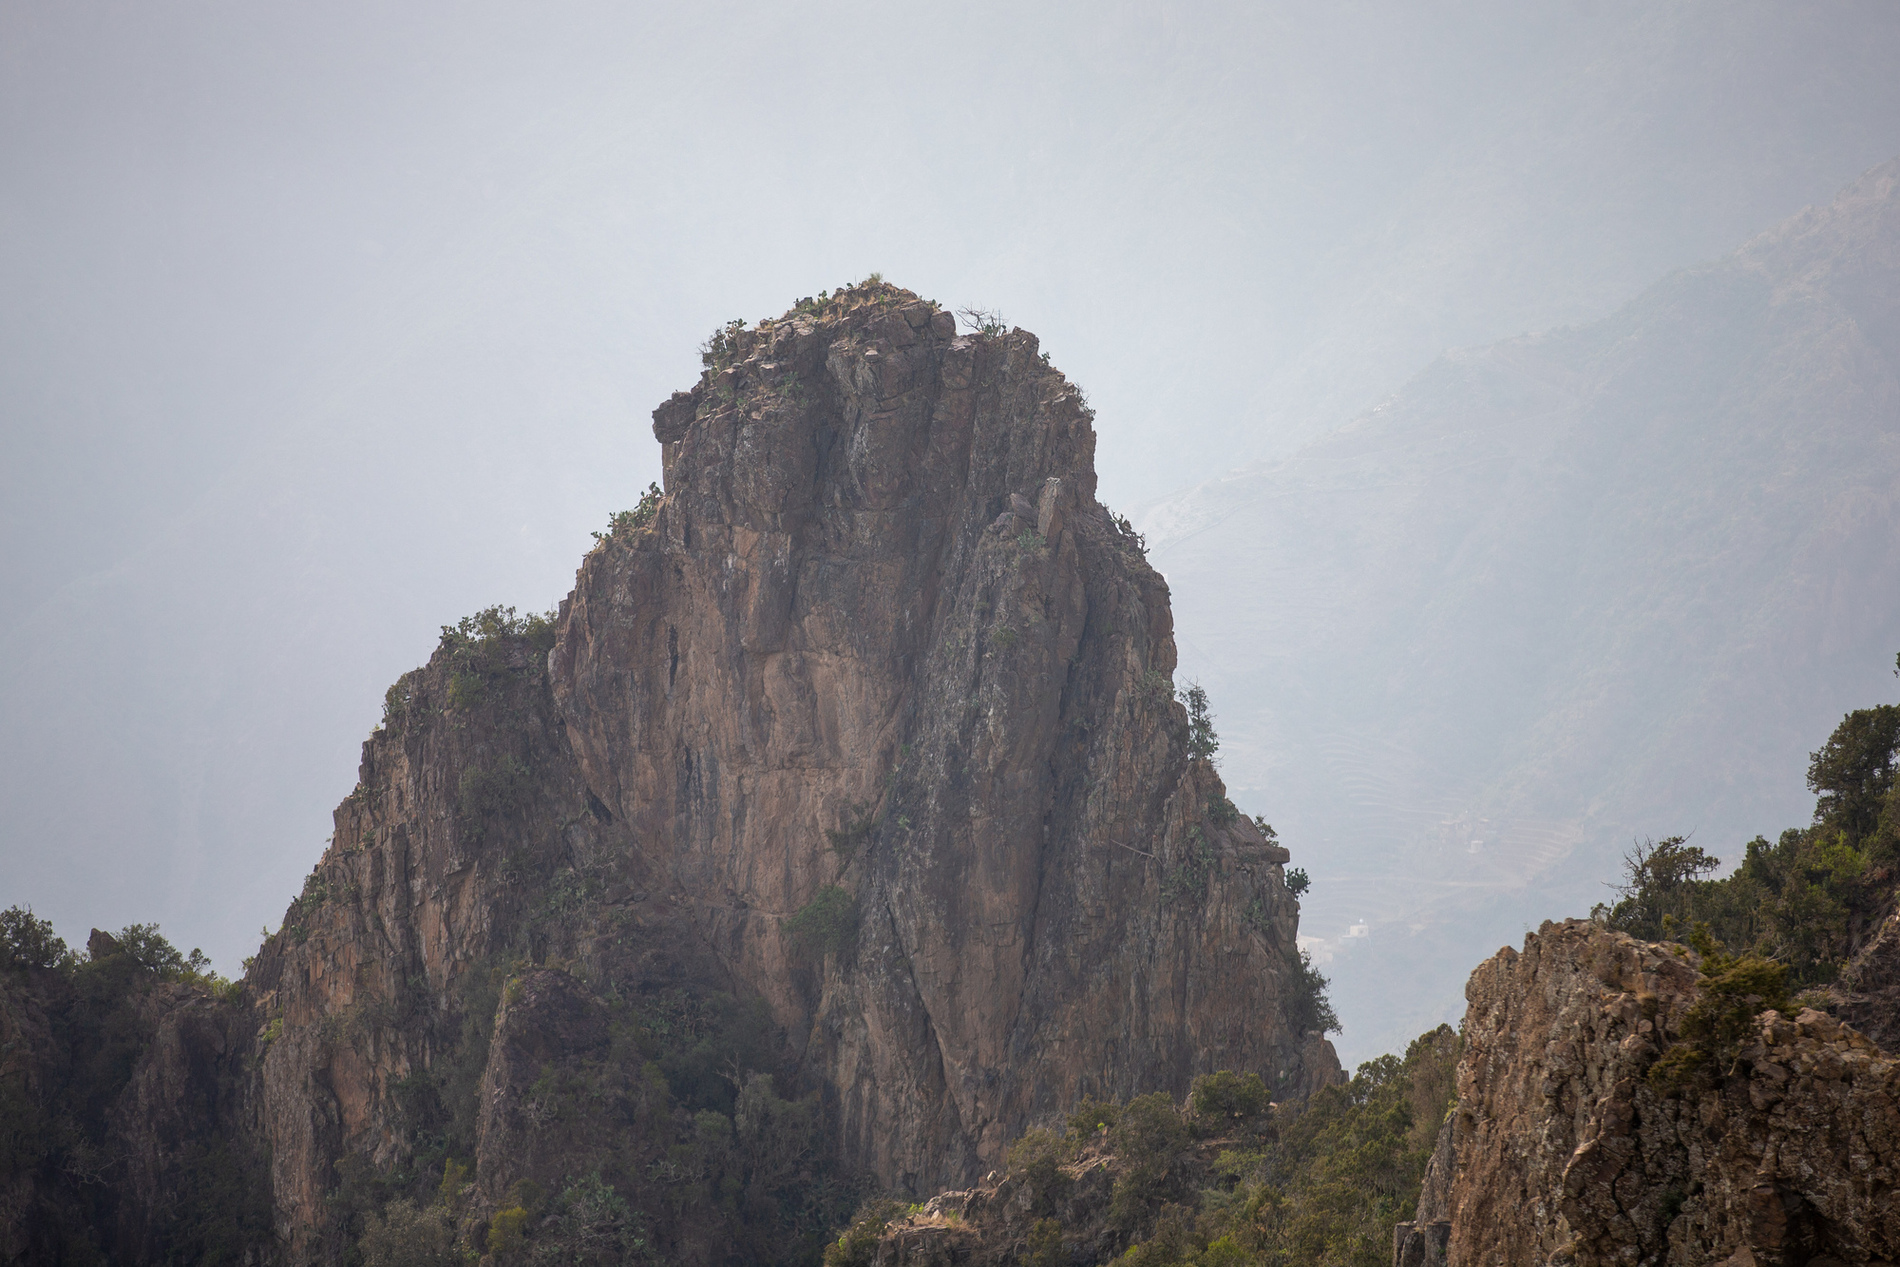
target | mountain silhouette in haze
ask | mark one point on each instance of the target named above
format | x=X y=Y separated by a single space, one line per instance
x=1607 y=581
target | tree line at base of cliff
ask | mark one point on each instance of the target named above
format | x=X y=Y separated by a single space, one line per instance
x=676 y=1113
x=73 y=1026
x=1225 y=1177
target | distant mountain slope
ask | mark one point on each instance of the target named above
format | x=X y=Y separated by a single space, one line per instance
x=1556 y=592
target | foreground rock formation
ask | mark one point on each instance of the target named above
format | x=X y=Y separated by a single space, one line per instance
x=1565 y=1150
x=844 y=822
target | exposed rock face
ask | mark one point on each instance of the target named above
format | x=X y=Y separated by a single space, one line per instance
x=880 y=578
x=1868 y=993
x=877 y=644
x=1566 y=1153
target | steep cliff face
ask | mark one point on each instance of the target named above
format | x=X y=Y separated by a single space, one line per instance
x=852 y=771
x=880 y=594
x=1564 y=1149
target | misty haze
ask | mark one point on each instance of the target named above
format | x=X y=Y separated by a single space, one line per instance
x=1117 y=546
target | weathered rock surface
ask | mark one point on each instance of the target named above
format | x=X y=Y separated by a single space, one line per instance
x=1868 y=994
x=880 y=579
x=1564 y=1151
x=878 y=645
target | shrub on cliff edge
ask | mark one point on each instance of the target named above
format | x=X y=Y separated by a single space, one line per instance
x=1734 y=990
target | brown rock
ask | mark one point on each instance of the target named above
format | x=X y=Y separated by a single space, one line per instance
x=813 y=672
x=818 y=621
x=1563 y=1150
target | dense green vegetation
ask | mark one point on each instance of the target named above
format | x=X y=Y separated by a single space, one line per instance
x=1227 y=1178
x=677 y=1131
x=1807 y=901
x=58 y=1144
x=1791 y=916
x=1318 y=1185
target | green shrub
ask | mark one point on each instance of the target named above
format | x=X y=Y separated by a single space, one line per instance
x=623 y=524
x=1045 y=1245
x=1093 y=1117
x=1127 y=529
x=1203 y=743
x=1188 y=879
x=1309 y=1011
x=507 y=1231
x=405 y=1236
x=495 y=790
x=722 y=345
x=1732 y=992
x=448 y=1193
x=1175 y=1240
x=27 y=941
x=1182 y=882
x=590 y=1225
x=857 y=1247
x=987 y=321
x=479 y=649
x=859 y=822
x=497 y=624
x=826 y=925
x=1035 y=1162
x=396 y=700
x=1226 y=1095
x=1147 y=1138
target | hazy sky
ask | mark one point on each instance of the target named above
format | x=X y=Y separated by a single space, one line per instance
x=326 y=324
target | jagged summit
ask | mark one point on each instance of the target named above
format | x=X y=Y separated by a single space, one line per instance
x=887 y=585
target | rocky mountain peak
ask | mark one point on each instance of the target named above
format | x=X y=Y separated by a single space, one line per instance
x=879 y=605
x=842 y=823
